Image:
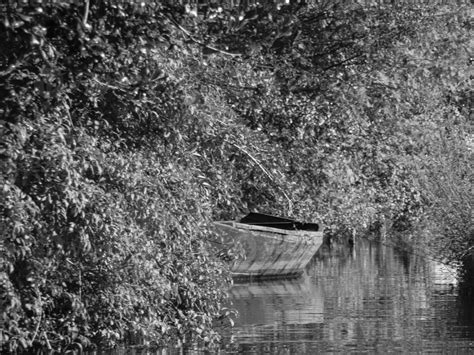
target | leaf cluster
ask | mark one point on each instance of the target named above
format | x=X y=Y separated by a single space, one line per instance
x=103 y=234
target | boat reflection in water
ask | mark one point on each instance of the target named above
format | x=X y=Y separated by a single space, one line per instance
x=275 y=304
x=370 y=299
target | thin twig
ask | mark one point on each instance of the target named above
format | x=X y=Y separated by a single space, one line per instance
x=108 y=85
x=80 y=285
x=253 y=159
x=37 y=327
x=265 y=171
x=215 y=82
x=86 y=13
x=48 y=344
x=342 y=62
x=190 y=36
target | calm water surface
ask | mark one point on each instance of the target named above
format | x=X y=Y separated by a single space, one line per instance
x=369 y=299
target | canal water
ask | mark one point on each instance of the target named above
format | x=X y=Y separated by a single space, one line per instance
x=367 y=299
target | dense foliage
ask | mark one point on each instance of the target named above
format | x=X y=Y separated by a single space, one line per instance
x=103 y=212
x=355 y=101
x=126 y=128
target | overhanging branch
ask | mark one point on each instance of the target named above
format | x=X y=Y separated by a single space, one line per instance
x=190 y=36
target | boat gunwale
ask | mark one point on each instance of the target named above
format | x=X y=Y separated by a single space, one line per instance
x=258 y=228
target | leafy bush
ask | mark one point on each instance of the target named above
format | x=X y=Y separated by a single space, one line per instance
x=104 y=222
x=446 y=176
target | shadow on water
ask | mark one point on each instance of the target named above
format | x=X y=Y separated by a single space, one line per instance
x=369 y=298
x=466 y=290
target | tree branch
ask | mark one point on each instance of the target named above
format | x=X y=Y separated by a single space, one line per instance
x=215 y=82
x=108 y=85
x=265 y=171
x=189 y=35
x=342 y=62
x=37 y=327
x=86 y=13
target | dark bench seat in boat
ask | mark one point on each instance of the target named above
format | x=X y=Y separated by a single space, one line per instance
x=264 y=220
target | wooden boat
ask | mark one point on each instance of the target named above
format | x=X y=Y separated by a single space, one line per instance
x=274 y=247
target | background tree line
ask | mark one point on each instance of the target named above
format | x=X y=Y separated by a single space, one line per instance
x=128 y=127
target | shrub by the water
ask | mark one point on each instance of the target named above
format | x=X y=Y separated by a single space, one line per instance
x=103 y=217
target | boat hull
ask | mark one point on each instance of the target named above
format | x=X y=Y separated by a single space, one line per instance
x=270 y=252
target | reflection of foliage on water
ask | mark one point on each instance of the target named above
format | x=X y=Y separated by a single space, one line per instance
x=372 y=301
x=382 y=296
